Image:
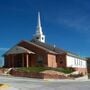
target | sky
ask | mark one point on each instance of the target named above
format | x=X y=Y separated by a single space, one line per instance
x=65 y=23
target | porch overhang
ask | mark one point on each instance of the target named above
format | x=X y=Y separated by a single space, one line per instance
x=18 y=50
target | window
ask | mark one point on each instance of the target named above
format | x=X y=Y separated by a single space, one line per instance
x=75 y=61
x=61 y=62
x=39 y=60
x=37 y=37
x=42 y=38
x=81 y=62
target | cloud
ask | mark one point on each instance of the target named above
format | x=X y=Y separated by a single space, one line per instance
x=79 y=23
x=75 y=15
x=4 y=49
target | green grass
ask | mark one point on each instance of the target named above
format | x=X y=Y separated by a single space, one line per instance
x=33 y=69
x=40 y=69
x=64 y=70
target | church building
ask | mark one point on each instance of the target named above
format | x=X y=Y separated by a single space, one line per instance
x=38 y=53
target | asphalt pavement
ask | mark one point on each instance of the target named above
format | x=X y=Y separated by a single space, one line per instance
x=21 y=83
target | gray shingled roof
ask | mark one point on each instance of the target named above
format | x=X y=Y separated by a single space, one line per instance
x=55 y=49
x=39 y=46
x=48 y=46
x=18 y=50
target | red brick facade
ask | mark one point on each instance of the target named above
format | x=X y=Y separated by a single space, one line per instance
x=28 y=60
x=61 y=60
x=38 y=75
x=23 y=60
x=82 y=70
x=40 y=57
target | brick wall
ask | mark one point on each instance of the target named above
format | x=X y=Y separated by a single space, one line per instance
x=81 y=70
x=52 y=60
x=1 y=71
x=37 y=75
x=88 y=70
x=61 y=60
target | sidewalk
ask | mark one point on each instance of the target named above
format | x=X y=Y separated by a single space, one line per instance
x=45 y=80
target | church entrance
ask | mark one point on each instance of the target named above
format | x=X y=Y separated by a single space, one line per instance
x=18 y=60
x=22 y=60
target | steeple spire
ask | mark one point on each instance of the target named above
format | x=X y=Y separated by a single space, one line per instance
x=39 y=21
x=39 y=27
x=39 y=34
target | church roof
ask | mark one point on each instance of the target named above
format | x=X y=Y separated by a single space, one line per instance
x=48 y=46
x=41 y=47
x=18 y=50
x=55 y=49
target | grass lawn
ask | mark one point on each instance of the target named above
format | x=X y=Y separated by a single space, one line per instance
x=40 y=69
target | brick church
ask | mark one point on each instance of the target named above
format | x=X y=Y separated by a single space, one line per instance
x=38 y=53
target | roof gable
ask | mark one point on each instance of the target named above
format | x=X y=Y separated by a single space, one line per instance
x=39 y=47
x=18 y=50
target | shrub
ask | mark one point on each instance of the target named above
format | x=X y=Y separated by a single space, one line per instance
x=65 y=70
x=40 y=69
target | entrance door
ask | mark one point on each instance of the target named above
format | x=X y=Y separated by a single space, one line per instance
x=40 y=60
x=18 y=60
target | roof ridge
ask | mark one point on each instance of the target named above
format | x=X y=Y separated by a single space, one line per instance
x=40 y=47
x=48 y=46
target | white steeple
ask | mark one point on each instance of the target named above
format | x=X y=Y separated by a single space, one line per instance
x=39 y=28
x=39 y=34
